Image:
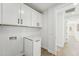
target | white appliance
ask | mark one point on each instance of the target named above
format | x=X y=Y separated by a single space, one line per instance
x=32 y=46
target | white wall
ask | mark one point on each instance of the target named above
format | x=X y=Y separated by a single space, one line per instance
x=45 y=30
x=13 y=47
x=60 y=28
x=49 y=30
x=53 y=28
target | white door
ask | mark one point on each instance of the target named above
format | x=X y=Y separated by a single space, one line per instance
x=37 y=48
x=11 y=13
x=28 y=47
x=25 y=15
x=0 y=13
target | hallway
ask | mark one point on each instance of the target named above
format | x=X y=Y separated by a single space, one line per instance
x=71 y=48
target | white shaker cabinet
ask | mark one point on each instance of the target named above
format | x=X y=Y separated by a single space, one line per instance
x=11 y=13
x=14 y=46
x=28 y=47
x=10 y=45
x=25 y=15
x=36 y=19
x=37 y=48
x=20 y=14
x=39 y=20
x=0 y=13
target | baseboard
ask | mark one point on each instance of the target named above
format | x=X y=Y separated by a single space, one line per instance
x=58 y=45
x=52 y=51
x=45 y=48
x=20 y=54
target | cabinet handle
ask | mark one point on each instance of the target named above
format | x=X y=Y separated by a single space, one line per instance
x=18 y=20
x=13 y=38
x=21 y=21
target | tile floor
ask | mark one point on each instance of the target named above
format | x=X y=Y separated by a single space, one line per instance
x=71 y=47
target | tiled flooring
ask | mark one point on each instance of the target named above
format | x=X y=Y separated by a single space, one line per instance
x=71 y=48
x=44 y=52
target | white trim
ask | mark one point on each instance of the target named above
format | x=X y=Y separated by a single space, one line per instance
x=44 y=47
x=21 y=54
x=59 y=45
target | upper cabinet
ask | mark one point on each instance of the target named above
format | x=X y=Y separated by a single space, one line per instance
x=20 y=14
x=36 y=18
x=0 y=13
x=39 y=20
x=25 y=15
x=11 y=13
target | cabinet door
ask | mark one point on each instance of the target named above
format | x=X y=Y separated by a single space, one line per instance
x=11 y=13
x=28 y=47
x=15 y=46
x=25 y=47
x=25 y=15
x=0 y=13
x=20 y=46
x=10 y=46
x=34 y=18
x=39 y=23
x=37 y=48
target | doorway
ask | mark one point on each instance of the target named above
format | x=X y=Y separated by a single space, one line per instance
x=72 y=44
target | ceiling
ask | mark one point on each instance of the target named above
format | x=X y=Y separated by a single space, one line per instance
x=40 y=7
